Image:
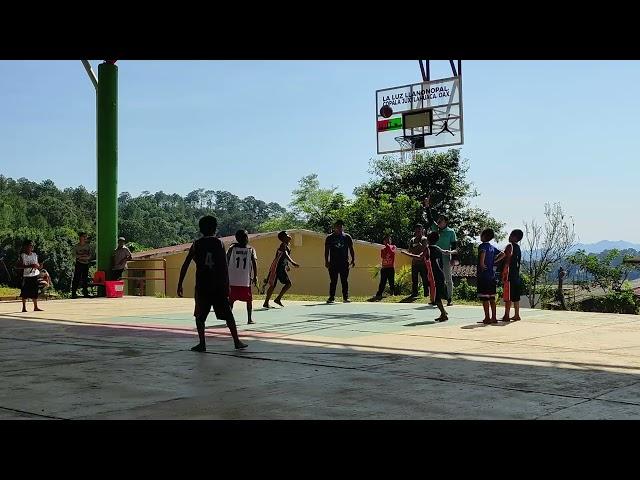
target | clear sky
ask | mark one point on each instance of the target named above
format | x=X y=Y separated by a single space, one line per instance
x=565 y=131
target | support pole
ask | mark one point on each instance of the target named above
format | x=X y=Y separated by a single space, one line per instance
x=92 y=76
x=107 y=150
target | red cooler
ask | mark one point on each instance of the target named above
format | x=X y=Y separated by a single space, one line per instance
x=115 y=289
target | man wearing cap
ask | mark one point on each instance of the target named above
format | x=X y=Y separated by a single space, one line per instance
x=119 y=259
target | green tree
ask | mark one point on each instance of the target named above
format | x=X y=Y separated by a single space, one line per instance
x=287 y=221
x=442 y=177
x=53 y=218
x=369 y=218
x=544 y=246
x=316 y=206
x=606 y=272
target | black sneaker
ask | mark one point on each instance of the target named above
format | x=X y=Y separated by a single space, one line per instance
x=346 y=300
x=74 y=296
x=449 y=303
x=331 y=300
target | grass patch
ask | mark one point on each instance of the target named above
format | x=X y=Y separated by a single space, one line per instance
x=9 y=291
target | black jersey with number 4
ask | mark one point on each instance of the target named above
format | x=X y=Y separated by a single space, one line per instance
x=211 y=265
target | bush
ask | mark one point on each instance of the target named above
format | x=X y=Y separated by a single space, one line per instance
x=525 y=282
x=464 y=291
x=402 y=279
x=546 y=294
x=624 y=301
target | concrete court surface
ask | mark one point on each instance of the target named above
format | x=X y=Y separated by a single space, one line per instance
x=129 y=359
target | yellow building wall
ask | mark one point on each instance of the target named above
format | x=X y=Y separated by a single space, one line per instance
x=312 y=278
x=149 y=287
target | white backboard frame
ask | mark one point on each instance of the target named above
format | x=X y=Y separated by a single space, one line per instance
x=444 y=96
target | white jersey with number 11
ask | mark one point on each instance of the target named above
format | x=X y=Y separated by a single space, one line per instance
x=241 y=266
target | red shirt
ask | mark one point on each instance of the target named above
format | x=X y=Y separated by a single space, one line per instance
x=388 y=254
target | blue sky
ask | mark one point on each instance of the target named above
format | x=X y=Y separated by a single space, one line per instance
x=565 y=131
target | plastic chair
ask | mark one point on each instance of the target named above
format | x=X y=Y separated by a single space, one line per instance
x=99 y=278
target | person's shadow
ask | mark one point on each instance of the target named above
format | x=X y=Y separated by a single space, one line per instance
x=499 y=323
x=408 y=299
x=417 y=324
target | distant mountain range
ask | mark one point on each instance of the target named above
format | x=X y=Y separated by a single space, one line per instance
x=603 y=245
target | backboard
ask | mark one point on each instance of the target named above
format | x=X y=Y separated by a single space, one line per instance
x=424 y=115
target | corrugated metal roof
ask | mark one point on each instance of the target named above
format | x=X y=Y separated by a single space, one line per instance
x=183 y=247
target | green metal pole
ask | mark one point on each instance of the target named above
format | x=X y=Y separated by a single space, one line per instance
x=107 y=143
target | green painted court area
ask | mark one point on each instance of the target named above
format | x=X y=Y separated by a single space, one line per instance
x=129 y=359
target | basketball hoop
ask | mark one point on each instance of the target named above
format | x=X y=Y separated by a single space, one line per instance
x=408 y=145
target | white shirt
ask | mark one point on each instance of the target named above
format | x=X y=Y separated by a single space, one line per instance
x=241 y=266
x=28 y=260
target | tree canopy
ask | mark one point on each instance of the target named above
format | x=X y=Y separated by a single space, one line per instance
x=52 y=218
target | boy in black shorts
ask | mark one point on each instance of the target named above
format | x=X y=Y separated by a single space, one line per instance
x=511 y=276
x=488 y=256
x=212 y=281
x=278 y=270
x=432 y=256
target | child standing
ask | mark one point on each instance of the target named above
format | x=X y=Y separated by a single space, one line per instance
x=387 y=272
x=488 y=255
x=278 y=270
x=243 y=271
x=28 y=263
x=511 y=276
x=433 y=255
x=212 y=281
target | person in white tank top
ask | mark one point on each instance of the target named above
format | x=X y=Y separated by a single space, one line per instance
x=243 y=271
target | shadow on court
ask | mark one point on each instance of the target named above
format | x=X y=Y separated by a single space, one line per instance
x=70 y=369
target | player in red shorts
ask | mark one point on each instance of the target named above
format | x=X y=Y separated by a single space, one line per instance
x=243 y=271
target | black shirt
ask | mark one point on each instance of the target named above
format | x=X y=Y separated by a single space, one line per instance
x=339 y=246
x=435 y=256
x=211 y=265
x=283 y=261
x=514 y=263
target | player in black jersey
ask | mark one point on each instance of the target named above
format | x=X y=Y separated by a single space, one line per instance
x=212 y=281
x=511 y=276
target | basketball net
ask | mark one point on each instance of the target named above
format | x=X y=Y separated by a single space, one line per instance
x=407 y=148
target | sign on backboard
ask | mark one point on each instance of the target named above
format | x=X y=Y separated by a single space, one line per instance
x=428 y=114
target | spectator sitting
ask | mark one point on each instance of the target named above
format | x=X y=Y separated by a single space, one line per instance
x=44 y=281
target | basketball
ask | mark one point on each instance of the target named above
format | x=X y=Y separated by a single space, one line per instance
x=386 y=111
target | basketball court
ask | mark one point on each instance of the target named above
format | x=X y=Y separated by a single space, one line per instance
x=129 y=358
